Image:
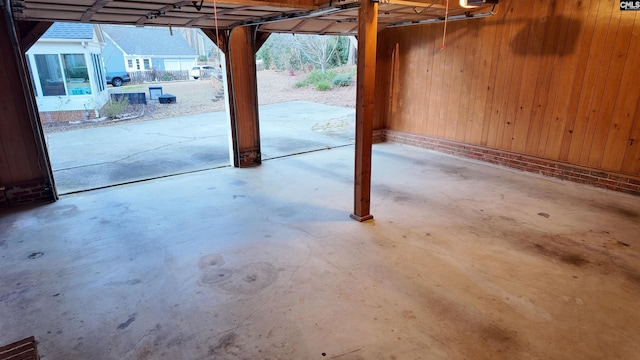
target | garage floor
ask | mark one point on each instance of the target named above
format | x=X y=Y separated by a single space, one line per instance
x=462 y=261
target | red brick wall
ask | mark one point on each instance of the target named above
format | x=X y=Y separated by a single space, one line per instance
x=602 y=179
x=65 y=116
x=29 y=192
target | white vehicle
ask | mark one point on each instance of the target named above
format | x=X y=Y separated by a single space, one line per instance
x=201 y=71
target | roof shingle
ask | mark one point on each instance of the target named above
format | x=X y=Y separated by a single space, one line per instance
x=61 y=30
x=148 y=40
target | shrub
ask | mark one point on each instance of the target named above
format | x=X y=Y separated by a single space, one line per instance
x=342 y=80
x=167 y=77
x=323 y=85
x=115 y=108
x=316 y=77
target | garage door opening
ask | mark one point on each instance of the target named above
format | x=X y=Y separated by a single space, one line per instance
x=121 y=104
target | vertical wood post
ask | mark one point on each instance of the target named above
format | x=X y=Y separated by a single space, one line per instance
x=25 y=171
x=365 y=97
x=243 y=96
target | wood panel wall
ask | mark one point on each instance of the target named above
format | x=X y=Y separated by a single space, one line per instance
x=20 y=158
x=554 y=79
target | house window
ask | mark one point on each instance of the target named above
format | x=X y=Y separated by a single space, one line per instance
x=129 y=63
x=147 y=63
x=76 y=73
x=50 y=74
x=98 y=72
x=138 y=64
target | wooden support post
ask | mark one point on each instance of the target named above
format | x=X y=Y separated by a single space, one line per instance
x=365 y=97
x=239 y=47
x=241 y=67
x=25 y=171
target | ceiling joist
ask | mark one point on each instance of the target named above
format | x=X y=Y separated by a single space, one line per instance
x=332 y=17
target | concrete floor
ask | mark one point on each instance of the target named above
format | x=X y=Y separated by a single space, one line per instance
x=463 y=261
x=127 y=152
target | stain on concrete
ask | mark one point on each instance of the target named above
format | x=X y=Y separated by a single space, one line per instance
x=409 y=315
x=211 y=261
x=35 y=255
x=227 y=345
x=50 y=213
x=243 y=279
x=127 y=282
x=216 y=276
x=565 y=257
x=126 y=324
x=469 y=330
x=617 y=209
x=238 y=182
x=250 y=278
x=497 y=334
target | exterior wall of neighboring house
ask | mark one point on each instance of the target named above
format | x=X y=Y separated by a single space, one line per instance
x=68 y=77
x=158 y=62
x=113 y=56
x=133 y=49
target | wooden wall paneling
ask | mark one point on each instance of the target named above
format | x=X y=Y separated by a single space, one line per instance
x=395 y=82
x=571 y=55
x=502 y=122
x=384 y=78
x=612 y=91
x=505 y=57
x=626 y=107
x=426 y=59
x=414 y=65
x=533 y=58
x=19 y=147
x=436 y=77
x=482 y=72
x=493 y=75
x=474 y=61
x=544 y=81
x=519 y=46
x=588 y=21
x=562 y=14
x=8 y=130
x=452 y=79
x=547 y=82
x=588 y=89
x=437 y=82
x=403 y=89
x=465 y=73
x=631 y=163
x=447 y=84
x=611 y=29
x=457 y=49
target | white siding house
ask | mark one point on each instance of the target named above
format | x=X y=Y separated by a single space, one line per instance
x=67 y=70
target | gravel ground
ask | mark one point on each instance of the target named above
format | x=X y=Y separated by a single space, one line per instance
x=199 y=96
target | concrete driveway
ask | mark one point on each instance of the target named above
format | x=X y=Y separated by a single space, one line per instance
x=122 y=153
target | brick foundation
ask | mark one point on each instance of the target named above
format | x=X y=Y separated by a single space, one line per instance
x=598 y=178
x=28 y=192
x=64 y=116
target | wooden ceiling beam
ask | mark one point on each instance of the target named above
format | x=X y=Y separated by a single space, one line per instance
x=97 y=6
x=417 y=4
x=30 y=31
x=261 y=38
x=295 y=4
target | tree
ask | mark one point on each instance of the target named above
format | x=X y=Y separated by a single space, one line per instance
x=318 y=49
